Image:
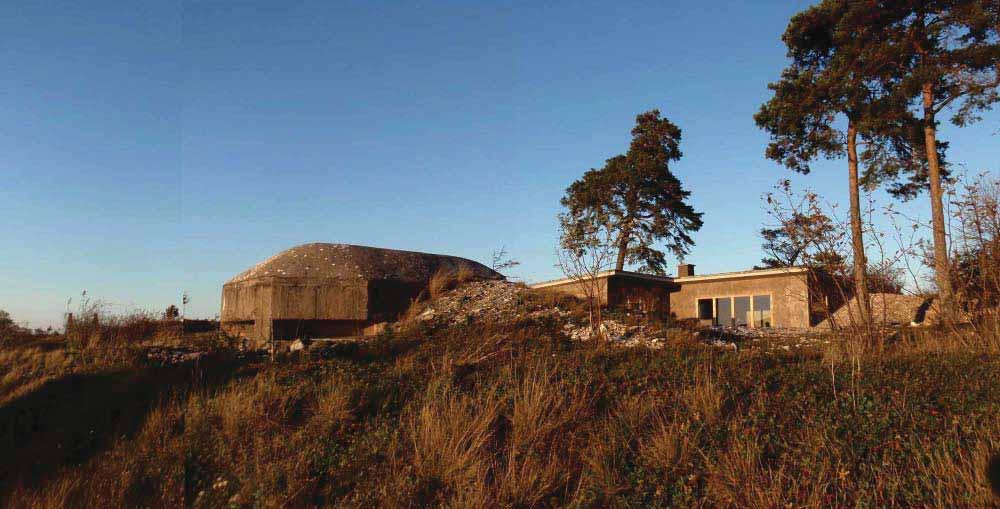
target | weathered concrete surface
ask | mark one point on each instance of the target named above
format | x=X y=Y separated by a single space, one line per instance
x=633 y=291
x=325 y=290
x=887 y=309
x=577 y=288
x=789 y=291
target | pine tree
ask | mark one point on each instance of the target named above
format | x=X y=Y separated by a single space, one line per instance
x=839 y=74
x=639 y=197
x=947 y=56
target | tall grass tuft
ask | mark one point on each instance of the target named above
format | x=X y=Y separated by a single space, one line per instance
x=446 y=279
x=451 y=435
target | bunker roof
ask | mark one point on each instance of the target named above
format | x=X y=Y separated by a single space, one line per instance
x=345 y=261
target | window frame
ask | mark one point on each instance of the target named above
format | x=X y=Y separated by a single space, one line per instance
x=711 y=312
x=732 y=303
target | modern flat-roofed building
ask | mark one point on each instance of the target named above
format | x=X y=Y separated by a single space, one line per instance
x=781 y=297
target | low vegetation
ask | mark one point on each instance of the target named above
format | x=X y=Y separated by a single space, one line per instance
x=510 y=414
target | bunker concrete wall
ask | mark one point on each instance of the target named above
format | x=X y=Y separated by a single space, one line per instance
x=241 y=302
x=319 y=300
x=789 y=296
x=253 y=308
x=388 y=299
x=324 y=290
x=262 y=309
x=292 y=329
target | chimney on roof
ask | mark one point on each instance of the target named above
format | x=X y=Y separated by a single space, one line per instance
x=685 y=269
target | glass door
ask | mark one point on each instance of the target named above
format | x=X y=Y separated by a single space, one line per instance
x=741 y=311
x=761 y=310
x=724 y=312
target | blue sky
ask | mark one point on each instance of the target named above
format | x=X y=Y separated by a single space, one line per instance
x=149 y=148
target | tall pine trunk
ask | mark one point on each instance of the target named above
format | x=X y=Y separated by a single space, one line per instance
x=857 y=234
x=622 y=251
x=942 y=267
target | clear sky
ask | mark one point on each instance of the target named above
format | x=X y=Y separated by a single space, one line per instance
x=153 y=147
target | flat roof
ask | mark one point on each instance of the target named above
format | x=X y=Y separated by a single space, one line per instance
x=604 y=274
x=687 y=279
x=742 y=274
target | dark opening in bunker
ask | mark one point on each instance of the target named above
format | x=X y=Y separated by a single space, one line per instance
x=292 y=329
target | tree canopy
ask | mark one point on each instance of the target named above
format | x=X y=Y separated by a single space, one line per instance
x=639 y=197
x=840 y=71
x=945 y=54
x=873 y=63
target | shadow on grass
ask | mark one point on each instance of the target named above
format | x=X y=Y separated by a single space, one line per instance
x=69 y=420
x=993 y=474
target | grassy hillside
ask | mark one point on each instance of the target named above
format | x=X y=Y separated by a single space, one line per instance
x=507 y=413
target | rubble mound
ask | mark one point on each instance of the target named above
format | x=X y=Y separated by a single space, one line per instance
x=623 y=334
x=483 y=301
x=505 y=302
x=617 y=333
x=174 y=356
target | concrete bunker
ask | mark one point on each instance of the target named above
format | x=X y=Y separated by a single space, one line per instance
x=330 y=290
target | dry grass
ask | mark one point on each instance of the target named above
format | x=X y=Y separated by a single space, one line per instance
x=446 y=279
x=703 y=398
x=26 y=368
x=486 y=416
x=450 y=437
x=249 y=443
x=954 y=476
x=443 y=281
x=503 y=446
x=416 y=307
x=541 y=411
x=549 y=299
x=99 y=329
x=671 y=445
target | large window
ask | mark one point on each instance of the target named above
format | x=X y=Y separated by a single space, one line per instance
x=736 y=311
x=724 y=312
x=761 y=310
x=705 y=309
x=741 y=311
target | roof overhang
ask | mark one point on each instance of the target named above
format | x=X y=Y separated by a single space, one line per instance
x=604 y=275
x=782 y=271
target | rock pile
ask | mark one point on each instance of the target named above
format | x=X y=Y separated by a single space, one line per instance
x=324 y=348
x=504 y=302
x=483 y=301
x=173 y=356
x=625 y=335
x=500 y=301
x=616 y=333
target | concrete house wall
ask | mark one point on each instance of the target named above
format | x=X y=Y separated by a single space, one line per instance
x=788 y=289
